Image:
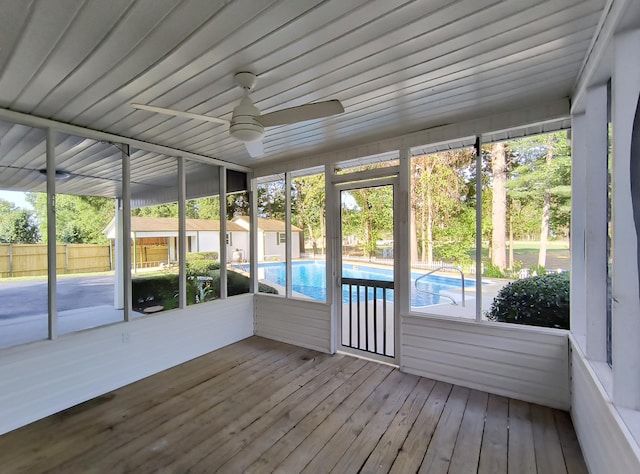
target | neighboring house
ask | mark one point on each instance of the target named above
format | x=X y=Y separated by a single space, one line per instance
x=155 y=239
x=272 y=238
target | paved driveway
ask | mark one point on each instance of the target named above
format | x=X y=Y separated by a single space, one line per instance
x=29 y=297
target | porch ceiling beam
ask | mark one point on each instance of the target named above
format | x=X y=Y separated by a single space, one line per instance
x=612 y=15
x=39 y=122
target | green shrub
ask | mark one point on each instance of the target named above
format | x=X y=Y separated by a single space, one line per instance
x=202 y=256
x=238 y=284
x=492 y=271
x=155 y=290
x=537 y=269
x=537 y=301
x=162 y=290
x=201 y=267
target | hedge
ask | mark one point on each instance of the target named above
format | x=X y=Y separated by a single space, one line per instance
x=537 y=301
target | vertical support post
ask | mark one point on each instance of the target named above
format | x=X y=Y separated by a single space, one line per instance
x=51 y=234
x=253 y=233
x=135 y=252
x=182 y=235
x=223 y=232
x=288 y=253
x=10 y=260
x=126 y=232
x=120 y=241
x=478 y=147
x=578 y=303
x=626 y=287
x=333 y=256
x=402 y=249
x=596 y=223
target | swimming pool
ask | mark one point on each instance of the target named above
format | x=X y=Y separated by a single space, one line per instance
x=309 y=279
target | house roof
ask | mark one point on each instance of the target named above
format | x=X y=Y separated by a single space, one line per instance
x=398 y=68
x=170 y=224
x=267 y=225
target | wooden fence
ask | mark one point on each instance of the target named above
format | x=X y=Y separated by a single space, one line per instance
x=31 y=259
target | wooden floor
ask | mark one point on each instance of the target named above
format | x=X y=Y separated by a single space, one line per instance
x=262 y=406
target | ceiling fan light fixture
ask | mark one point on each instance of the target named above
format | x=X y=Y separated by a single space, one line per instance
x=244 y=126
x=246 y=132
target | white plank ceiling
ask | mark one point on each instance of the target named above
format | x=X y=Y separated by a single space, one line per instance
x=398 y=66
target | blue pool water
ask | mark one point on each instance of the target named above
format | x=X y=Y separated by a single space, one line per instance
x=309 y=278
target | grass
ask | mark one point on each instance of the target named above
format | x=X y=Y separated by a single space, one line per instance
x=527 y=247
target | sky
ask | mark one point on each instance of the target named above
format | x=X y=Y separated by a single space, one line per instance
x=16 y=197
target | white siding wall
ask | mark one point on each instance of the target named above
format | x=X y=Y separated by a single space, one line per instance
x=271 y=247
x=45 y=377
x=529 y=364
x=607 y=445
x=295 y=244
x=239 y=240
x=299 y=322
x=209 y=242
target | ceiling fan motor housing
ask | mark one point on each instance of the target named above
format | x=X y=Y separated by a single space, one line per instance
x=244 y=124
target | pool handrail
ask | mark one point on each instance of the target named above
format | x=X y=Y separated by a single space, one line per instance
x=442 y=267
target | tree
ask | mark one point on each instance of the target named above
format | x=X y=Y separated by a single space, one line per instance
x=79 y=219
x=541 y=181
x=372 y=217
x=271 y=199
x=18 y=226
x=308 y=207
x=440 y=206
x=499 y=206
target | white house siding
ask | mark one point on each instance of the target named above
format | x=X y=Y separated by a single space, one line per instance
x=239 y=242
x=273 y=250
x=208 y=242
x=607 y=445
x=303 y=323
x=45 y=377
x=528 y=364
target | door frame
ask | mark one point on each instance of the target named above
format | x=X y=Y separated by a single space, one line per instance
x=366 y=179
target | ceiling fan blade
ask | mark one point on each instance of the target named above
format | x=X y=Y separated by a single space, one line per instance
x=255 y=149
x=301 y=113
x=179 y=113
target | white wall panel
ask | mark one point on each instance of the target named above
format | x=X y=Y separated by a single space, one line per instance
x=46 y=377
x=529 y=364
x=607 y=445
x=299 y=322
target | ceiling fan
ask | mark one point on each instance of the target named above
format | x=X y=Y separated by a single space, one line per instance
x=247 y=124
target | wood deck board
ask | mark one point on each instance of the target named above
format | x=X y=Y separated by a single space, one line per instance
x=166 y=419
x=71 y=425
x=573 y=460
x=439 y=453
x=385 y=452
x=548 y=451
x=494 y=449
x=264 y=406
x=272 y=446
x=522 y=456
x=466 y=454
x=366 y=379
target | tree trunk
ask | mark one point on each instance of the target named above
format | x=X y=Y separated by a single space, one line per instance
x=414 y=235
x=546 y=211
x=499 y=206
x=511 y=242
